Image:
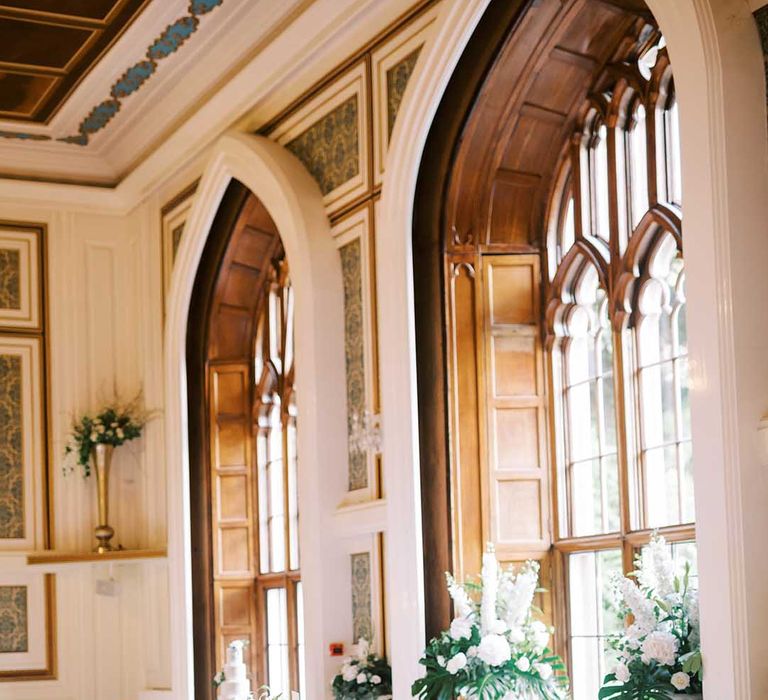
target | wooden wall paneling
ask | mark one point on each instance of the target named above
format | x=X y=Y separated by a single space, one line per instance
x=233 y=488
x=515 y=403
x=469 y=490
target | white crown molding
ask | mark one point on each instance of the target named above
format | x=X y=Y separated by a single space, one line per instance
x=321 y=35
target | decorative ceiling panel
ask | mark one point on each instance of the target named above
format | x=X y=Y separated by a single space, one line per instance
x=48 y=46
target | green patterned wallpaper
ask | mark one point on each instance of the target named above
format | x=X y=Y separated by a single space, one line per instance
x=11 y=456
x=330 y=148
x=14 y=636
x=397 y=81
x=351 y=268
x=10 y=285
x=362 y=620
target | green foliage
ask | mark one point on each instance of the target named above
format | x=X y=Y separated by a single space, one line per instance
x=112 y=425
x=378 y=679
x=479 y=681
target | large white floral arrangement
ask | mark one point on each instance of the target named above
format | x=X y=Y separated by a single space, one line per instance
x=659 y=653
x=495 y=648
x=363 y=676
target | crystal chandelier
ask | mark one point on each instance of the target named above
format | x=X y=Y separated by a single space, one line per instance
x=365 y=433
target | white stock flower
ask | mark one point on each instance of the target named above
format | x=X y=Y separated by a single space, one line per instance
x=361 y=679
x=375 y=679
x=539 y=634
x=544 y=671
x=657 y=571
x=516 y=593
x=497 y=627
x=494 y=650
x=516 y=635
x=456 y=663
x=461 y=600
x=680 y=680
x=622 y=672
x=659 y=646
x=523 y=664
x=461 y=628
x=362 y=649
x=490 y=579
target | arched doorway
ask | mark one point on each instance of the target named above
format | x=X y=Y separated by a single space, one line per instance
x=715 y=50
x=284 y=193
x=242 y=418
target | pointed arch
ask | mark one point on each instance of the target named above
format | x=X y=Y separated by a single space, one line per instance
x=294 y=202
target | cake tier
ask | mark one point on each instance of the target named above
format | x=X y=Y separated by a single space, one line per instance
x=234 y=690
x=234 y=654
x=234 y=672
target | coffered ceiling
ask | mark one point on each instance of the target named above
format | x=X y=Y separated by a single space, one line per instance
x=48 y=46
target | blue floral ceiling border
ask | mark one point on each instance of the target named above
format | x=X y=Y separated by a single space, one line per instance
x=169 y=41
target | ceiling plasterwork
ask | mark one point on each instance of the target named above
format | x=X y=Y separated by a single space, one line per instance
x=134 y=76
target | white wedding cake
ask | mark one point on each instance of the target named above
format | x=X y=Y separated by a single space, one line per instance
x=234 y=684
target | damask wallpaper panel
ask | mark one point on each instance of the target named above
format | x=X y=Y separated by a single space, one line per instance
x=22 y=454
x=329 y=135
x=353 y=236
x=366 y=590
x=393 y=65
x=27 y=625
x=20 y=277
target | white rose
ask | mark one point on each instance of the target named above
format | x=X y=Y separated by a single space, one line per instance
x=348 y=672
x=472 y=652
x=361 y=679
x=461 y=628
x=680 y=680
x=497 y=627
x=100 y=429
x=93 y=436
x=456 y=663
x=523 y=664
x=375 y=679
x=544 y=671
x=516 y=635
x=622 y=672
x=661 y=647
x=494 y=650
x=120 y=433
x=441 y=660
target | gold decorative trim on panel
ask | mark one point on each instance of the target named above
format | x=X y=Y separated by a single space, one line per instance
x=27 y=626
x=21 y=288
x=173 y=219
x=353 y=237
x=329 y=135
x=22 y=445
x=393 y=64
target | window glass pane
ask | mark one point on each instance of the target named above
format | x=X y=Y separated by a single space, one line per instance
x=592 y=478
x=262 y=461
x=569 y=229
x=277 y=640
x=293 y=495
x=638 y=167
x=593 y=618
x=600 y=159
x=665 y=413
x=672 y=154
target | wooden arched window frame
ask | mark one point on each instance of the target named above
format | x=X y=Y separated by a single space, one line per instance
x=623 y=298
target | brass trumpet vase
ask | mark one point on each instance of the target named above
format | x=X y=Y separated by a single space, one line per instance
x=101 y=459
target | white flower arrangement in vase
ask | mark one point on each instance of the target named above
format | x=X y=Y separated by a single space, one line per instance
x=363 y=676
x=659 y=655
x=495 y=648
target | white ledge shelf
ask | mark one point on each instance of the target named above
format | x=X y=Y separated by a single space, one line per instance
x=51 y=556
